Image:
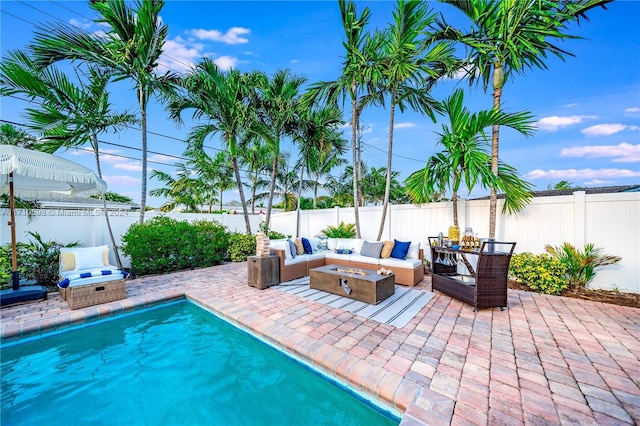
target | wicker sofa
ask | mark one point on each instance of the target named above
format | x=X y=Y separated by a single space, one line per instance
x=408 y=271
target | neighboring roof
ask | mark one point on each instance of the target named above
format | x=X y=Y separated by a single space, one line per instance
x=594 y=190
x=83 y=203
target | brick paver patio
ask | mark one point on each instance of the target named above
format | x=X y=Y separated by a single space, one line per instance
x=544 y=360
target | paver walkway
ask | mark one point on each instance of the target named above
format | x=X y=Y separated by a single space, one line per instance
x=544 y=360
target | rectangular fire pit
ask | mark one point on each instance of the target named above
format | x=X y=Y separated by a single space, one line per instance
x=360 y=284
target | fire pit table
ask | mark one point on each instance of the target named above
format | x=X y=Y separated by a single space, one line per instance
x=359 y=284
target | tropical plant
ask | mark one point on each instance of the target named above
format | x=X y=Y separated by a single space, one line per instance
x=130 y=49
x=412 y=63
x=256 y=157
x=465 y=160
x=221 y=101
x=11 y=135
x=507 y=38
x=185 y=190
x=541 y=273
x=562 y=185
x=40 y=261
x=580 y=265
x=341 y=231
x=241 y=246
x=69 y=115
x=358 y=81
x=114 y=197
x=277 y=109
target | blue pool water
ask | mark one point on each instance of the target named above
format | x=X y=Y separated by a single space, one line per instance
x=175 y=365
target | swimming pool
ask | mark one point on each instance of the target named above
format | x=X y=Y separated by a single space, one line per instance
x=177 y=364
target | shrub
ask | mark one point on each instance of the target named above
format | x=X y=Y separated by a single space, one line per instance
x=241 y=246
x=163 y=244
x=541 y=272
x=580 y=265
x=273 y=235
x=341 y=231
x=5 y=264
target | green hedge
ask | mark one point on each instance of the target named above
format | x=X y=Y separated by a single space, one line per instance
x=241 y=246
x=164 y=244
x=542 y=273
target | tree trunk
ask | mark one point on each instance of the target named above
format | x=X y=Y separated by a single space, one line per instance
x=253 y=193
x=315 y=191
x=498 y=82
x=143 y=189
x=272 y=187
x=116 y=254
x=387 y=187
x=355 y=122
x=299 y=199
x=234 y=161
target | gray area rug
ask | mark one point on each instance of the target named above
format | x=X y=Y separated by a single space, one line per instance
x=397 y=310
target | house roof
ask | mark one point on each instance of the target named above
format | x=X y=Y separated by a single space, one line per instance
x=594 y=190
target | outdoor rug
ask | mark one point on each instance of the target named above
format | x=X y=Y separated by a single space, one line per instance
x=397 y=310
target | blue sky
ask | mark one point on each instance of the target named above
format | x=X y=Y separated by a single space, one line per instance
x=587 y=108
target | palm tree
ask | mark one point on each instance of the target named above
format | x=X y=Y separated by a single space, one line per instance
x=359 y=81
x=130 y=50
x=509 y=37
x=412 y=65
x=186 y=190
x=216 y=172
x=316 y=138
x=277 y=106
x=10 y=135
x=465 y=160
x=221 y=101
x=562 y=185
x=69 y=115
x=256 y=157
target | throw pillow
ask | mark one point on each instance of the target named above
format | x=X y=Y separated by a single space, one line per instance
x=323 y=242
x=400 y=249
x=387 y=248
x=90 y=258
x=293 y=249
x=371 y=249
x=414 y=250
x=67 y=261
x=299 y=247
x=307 y=246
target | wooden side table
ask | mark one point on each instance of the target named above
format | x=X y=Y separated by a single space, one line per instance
x=264 y=271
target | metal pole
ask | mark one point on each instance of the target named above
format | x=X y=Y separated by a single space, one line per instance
x=15 y=279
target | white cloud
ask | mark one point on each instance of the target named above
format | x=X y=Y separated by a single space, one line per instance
x=131 y=166
x=606 y=129
x=576 y=174
x=178 y=56
x=162 y=158
x=571 y=105
x=621 y=153
x=232 y=36
x=226 y=62
x=600 y=182
x=403 y=125
x=122 y=180
x=294 y=61
x=84 y=25
x=555 y=122
x=633 y=111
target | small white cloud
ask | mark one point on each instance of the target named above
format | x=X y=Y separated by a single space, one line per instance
x=162 y=158
x=606 y=129
x=122 y=180
x=85 y=25
x=294 y=61
x=232 y=36
x=403 y=125
x=633 y=110
x=600 y=182
x=575 y=174
x=555 y=122
x=621 y=153
x=179 y=57
x=132 y=166
x=571 y=105
x=226 y=62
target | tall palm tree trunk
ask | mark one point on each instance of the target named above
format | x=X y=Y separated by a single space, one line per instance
x=272 y=189
x=236 y=170
x=143 y=190
x=315 y=191
x=387 y=186
x=299 y=199
x=354 y=136
x=116 y=254
x=498 y=82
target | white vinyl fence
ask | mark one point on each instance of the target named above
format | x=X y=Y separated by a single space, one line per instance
x=88 y=226
x=609 y=221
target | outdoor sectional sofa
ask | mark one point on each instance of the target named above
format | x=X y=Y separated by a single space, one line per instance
x=408 y=271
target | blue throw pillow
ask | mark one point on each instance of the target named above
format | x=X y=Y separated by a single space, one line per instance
x=307 y=246
x=292 y=247
x=400 y=249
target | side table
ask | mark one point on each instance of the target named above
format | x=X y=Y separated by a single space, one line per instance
x=263 y=271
